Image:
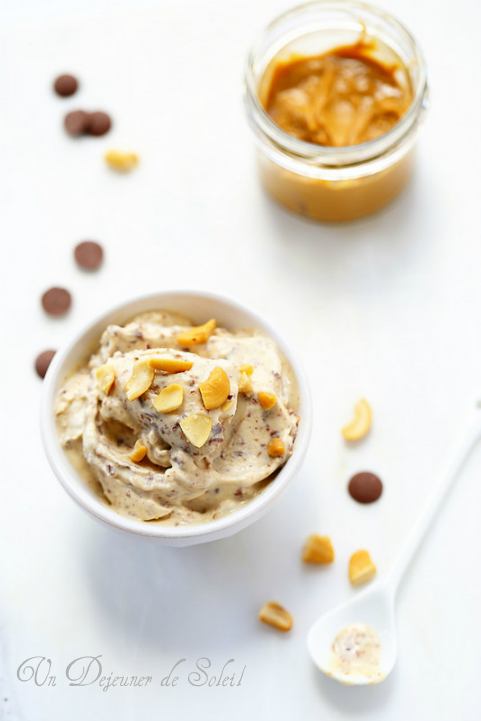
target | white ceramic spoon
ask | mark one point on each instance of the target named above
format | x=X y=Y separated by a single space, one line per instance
x=375 y=605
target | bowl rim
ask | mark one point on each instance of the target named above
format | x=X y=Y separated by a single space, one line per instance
x=82 y=494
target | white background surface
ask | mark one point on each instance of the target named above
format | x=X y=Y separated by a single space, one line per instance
x=387 y=308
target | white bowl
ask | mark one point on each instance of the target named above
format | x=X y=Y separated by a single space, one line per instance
x=198 y=306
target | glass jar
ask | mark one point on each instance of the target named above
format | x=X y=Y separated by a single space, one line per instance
x=334 y=183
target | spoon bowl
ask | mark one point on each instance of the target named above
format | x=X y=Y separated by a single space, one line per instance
x=374 y=607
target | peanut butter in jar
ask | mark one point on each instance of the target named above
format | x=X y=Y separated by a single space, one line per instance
x=335 y=122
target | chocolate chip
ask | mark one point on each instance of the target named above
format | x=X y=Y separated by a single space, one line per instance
x=89 y=255
x=99 y=123
x=77 y=122
x=56 y=301
x=43 y=361
x=365 y=487
x=65 y=85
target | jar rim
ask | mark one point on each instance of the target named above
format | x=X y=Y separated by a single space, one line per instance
x=348 y=154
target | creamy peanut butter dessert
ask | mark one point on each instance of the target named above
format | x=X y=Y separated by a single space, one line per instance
x=179 y=423
x=356 y=651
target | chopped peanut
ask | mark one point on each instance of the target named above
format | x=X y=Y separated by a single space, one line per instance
x=275 y=615
x=139 y=452
x=318 y=549
x=361 y=568
x=245 y=384
x=247 y=368
x=140 y=380
x=170 y=365
x=276 y=448
x=267 y=400
x=361 y=424
x=196 y=429
x=105 y=378
x=169 y=399
x=124 y=162
x=215 y=389
x=199 y=334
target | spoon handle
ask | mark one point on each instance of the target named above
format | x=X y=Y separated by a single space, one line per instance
x=466 y=442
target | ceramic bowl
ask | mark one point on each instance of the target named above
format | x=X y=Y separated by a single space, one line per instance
x=198 y=306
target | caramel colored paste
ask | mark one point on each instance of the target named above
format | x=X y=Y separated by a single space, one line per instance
x=342 y=98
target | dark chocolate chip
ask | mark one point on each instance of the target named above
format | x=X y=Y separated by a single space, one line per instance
x=99 y=123
x=65 y=85
x=43 y=361
x=89 y=255
x=77 y=122
x=56 y=301
x=365 y=487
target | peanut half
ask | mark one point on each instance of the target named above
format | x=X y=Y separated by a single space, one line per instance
x=196 y=429
x=105 y=378
x=361 y=568
x=247 y=368
x=276 y=448
x=267 y=400
x=215 y=389
x=245 y=384
x=123 y=162
x=318 y=549
x=359 y=427
x=139 y=452
x=275 y=615
x=169 y=399
x=140 y=380
x=197 y=335
x=170 y=365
